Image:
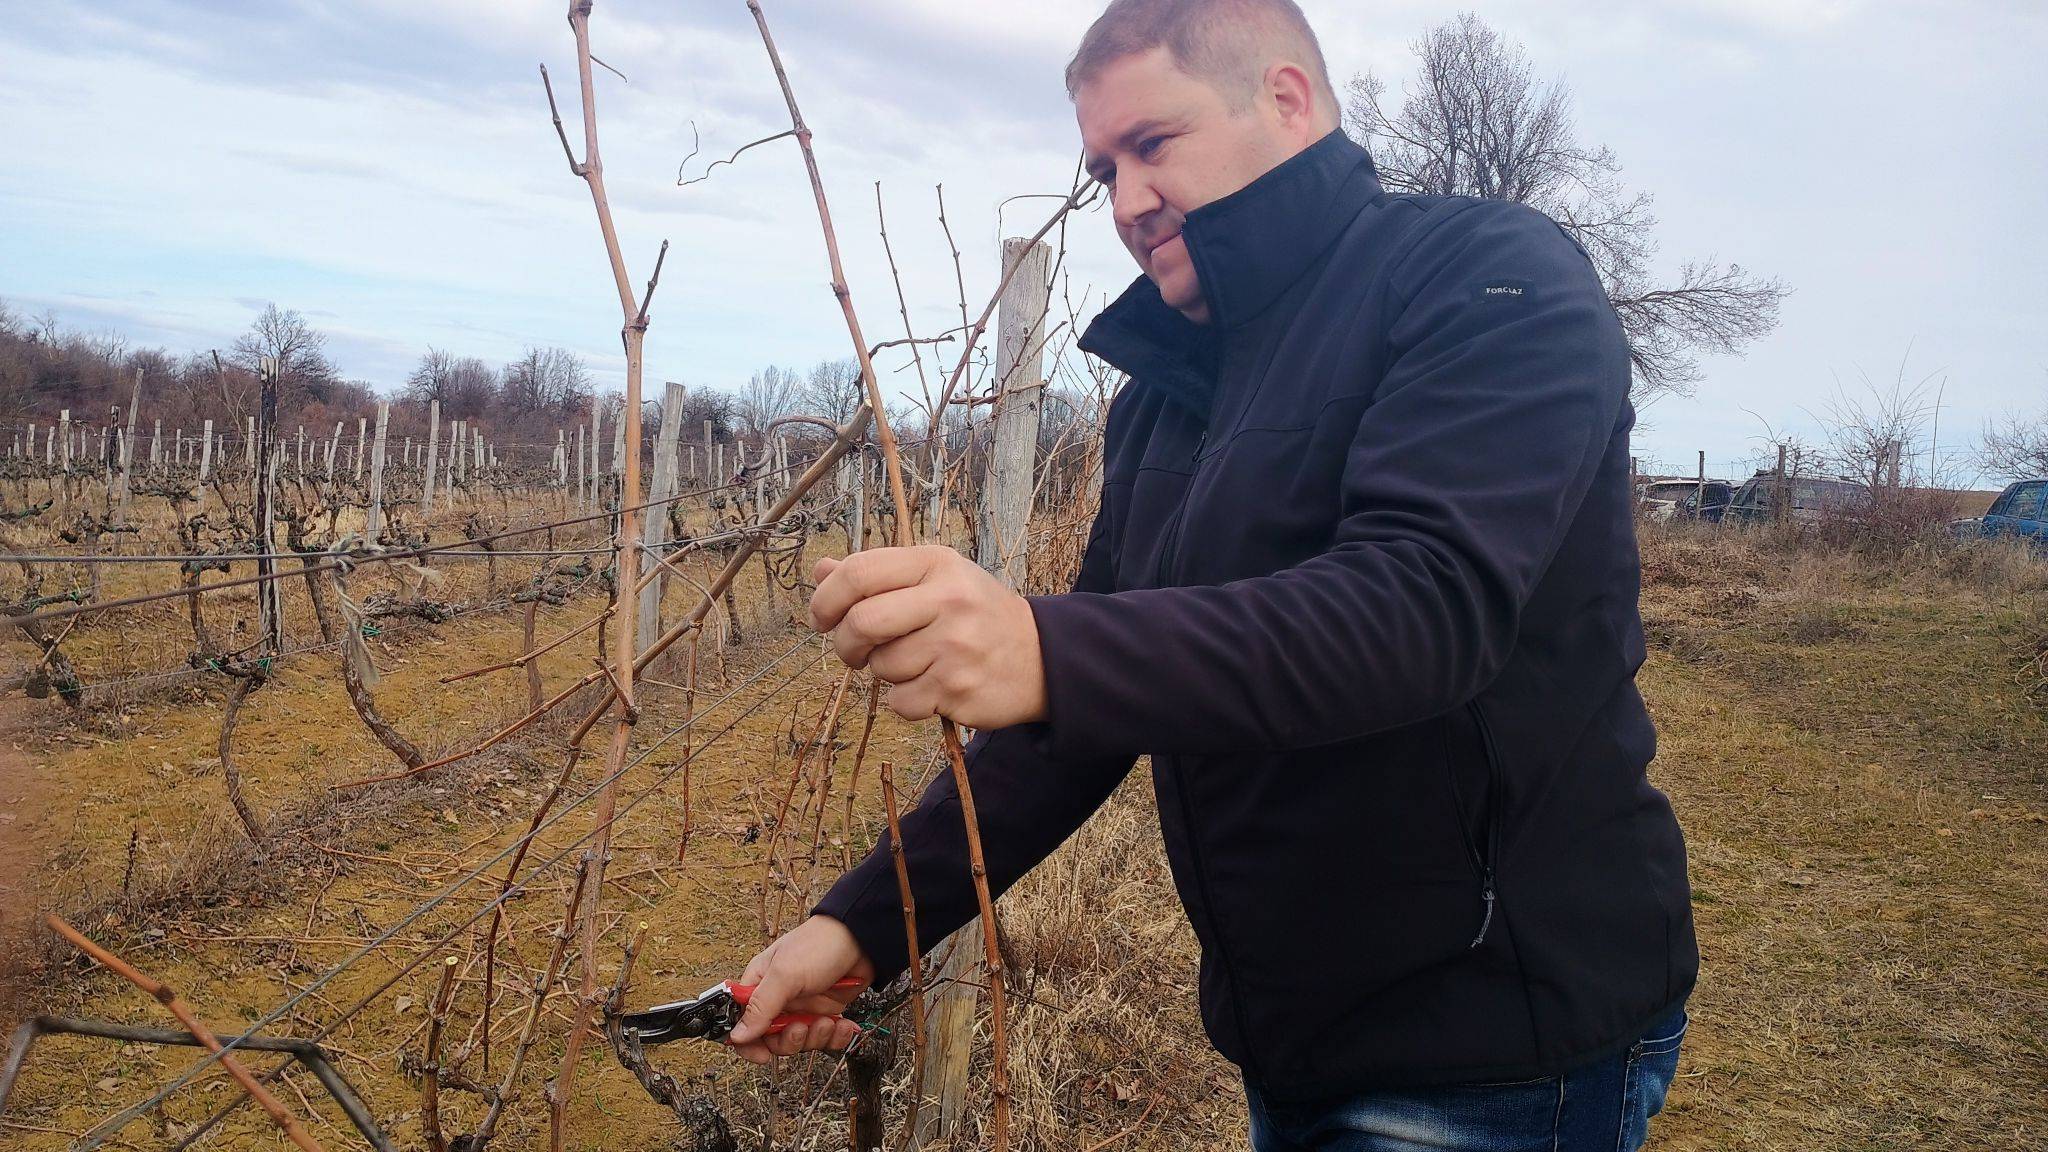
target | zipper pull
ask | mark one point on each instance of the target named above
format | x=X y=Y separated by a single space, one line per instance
x=1486 y=893
x=1201 y=443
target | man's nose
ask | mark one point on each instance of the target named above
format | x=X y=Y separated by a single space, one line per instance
x=1132 y=201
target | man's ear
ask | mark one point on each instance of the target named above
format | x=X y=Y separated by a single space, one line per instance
x=1294 y=98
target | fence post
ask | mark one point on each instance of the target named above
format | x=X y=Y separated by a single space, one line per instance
x=654 y=526
x=1000 y=532
x=596 y=437
x=206 y=452
x=375 y=522
x=128 y=447
x=1699 y=499
x=857 y=515
x=1020 y=387
x=453 y=472
x=433 y=449
x=1778 y=488
x=263 y=476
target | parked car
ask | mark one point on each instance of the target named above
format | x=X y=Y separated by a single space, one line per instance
x=1707 y=502
x=2020 y=511
x=1811 y=498
x=1679 y=499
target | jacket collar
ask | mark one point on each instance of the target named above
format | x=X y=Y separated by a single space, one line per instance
x=1248 y=249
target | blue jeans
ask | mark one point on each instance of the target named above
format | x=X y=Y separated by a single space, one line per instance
x=1602 y=1107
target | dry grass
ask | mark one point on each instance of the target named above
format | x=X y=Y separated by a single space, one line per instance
x=1862 y=775
x=1856 y=745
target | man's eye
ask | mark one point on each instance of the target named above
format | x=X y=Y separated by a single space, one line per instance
x=1150 y=146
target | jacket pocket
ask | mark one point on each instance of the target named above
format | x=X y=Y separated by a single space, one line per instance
x=1482 y=850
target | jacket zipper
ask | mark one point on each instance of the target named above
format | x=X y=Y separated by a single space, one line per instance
x=1496 y=805
x=1169 y=558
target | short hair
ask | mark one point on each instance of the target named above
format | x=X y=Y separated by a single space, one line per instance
x=1225 y=43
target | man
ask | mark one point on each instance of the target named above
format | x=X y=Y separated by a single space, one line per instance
x=1363 y=585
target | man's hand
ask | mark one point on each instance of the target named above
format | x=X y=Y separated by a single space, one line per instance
x=949 y=636
x=796 y=974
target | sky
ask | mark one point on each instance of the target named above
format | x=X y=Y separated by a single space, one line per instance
x=387 y=168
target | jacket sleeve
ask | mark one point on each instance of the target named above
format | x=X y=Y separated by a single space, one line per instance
x=1028 y=799
x=1507 y=373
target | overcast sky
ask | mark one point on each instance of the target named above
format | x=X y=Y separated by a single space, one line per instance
x=387 y=168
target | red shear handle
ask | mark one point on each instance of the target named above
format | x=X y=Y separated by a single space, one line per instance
x=742 y=993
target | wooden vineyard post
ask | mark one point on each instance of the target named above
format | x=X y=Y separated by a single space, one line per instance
x=375 y=523
x=709 y=475
x=1005 y=512
x=263 y=476
x=856 y=488
x=561 y=465
x=362 y=431
x=206 y=452
x=582 y=488
x=64 y=426
x=128 y=448
x=433 y=449
x=1778 y=497
x=596 y=434
x=448 y=469
x=664 y=488
x=1020 y=388
x=619 y=445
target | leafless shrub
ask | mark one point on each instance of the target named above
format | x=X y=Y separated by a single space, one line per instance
x=2015 y=445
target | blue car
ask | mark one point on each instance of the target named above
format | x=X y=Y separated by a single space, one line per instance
x=2020 y=511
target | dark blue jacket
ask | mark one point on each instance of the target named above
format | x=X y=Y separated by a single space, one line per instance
x=1363 y=585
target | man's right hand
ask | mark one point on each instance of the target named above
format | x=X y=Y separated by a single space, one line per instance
x=796 y=974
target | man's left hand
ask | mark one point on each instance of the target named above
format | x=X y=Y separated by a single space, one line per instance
x=952 y=639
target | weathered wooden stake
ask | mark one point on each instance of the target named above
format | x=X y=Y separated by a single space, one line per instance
x=1020 y=388
x=664 y=486
x=128 y=447
x=433 y=450
x=263 y=476
x=375 y=523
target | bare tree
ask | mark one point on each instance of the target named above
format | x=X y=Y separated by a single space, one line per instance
x=769 y=395
x=2015 y=446
x=833 y=389
x=464 y=385
x=301 y=353
x=1478 y=122
x=719 y=408
x=546 y=380
x=1880 y=432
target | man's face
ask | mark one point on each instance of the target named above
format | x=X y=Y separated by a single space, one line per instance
x=1167 y=143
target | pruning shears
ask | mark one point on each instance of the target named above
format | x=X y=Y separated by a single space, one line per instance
x=712 y=1015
